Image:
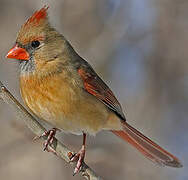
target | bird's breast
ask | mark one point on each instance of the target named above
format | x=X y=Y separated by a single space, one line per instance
x=64 y=104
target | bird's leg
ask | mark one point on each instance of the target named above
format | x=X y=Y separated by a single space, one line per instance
x=79 y=157
x=50 y=137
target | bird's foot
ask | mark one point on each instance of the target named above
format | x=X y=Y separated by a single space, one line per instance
x=79 y=158
x=50 y=134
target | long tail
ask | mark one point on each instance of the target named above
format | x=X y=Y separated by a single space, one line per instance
x=146 y=146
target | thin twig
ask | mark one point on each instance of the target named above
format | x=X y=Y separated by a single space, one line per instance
x=38 y=129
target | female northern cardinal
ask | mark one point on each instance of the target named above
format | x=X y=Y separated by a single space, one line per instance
x=61 y=88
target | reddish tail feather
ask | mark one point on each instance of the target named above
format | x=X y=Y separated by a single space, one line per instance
x=146 y=146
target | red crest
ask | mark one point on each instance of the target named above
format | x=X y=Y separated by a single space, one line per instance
x=38 y=16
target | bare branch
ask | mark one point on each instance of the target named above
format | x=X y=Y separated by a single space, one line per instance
x=38 y=129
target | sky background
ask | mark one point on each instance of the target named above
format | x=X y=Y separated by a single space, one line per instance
x=139 y=48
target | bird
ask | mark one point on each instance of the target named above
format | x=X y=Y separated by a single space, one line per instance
x=61 y=88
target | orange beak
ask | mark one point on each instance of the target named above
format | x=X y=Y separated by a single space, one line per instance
x=18 y=53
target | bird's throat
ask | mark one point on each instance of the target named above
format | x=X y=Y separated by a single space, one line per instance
x=27 y=67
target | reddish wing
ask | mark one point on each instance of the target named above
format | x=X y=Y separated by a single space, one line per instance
x=94 y=85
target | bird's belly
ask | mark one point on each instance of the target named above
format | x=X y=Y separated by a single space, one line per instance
x=74 y=117
x=72 y=110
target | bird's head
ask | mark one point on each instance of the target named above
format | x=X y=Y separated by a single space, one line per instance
x=38 y=45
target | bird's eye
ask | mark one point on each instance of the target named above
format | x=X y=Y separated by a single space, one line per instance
x=35 y=44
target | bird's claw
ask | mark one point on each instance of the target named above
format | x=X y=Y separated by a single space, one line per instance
x=45 y=133
x=50 y=138
x=77 y=157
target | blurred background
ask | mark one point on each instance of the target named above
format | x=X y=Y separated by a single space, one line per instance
x=139 y=47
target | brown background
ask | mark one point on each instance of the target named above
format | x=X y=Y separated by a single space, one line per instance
x=139 y=47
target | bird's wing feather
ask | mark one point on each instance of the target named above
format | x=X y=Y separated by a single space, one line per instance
x=94 y=85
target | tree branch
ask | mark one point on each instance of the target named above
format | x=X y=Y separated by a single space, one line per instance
x=38 y=129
